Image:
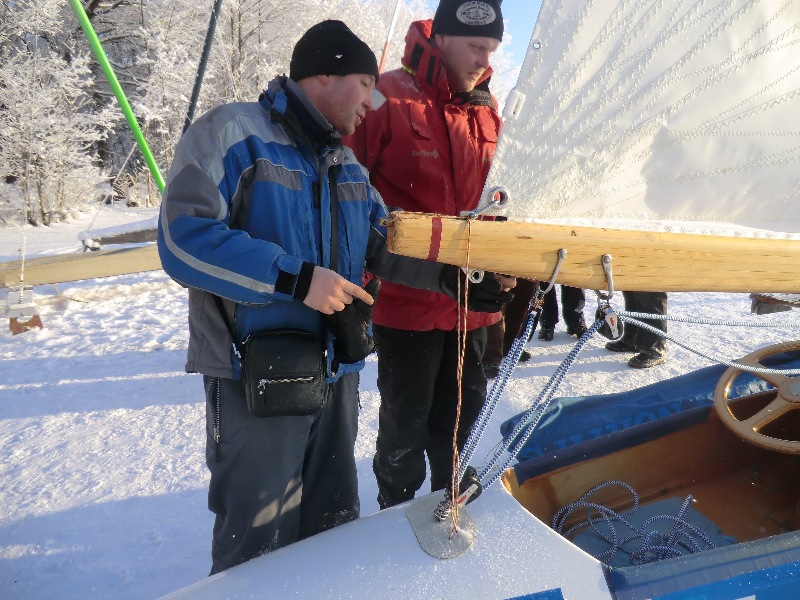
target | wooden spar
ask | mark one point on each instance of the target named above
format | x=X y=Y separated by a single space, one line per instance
x=641 y=260
x=77 y=266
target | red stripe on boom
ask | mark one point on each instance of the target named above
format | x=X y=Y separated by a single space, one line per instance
x=436 y=238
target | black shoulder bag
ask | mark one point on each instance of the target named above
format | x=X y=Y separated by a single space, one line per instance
x=283 y=371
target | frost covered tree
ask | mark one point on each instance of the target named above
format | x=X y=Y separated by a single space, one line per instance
x=48 y=125
x=255 y=38
x=61 y=130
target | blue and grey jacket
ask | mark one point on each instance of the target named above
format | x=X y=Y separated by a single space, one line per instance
x=247 y=210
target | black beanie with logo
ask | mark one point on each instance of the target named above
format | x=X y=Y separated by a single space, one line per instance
x=330 y=48
x=478 y=18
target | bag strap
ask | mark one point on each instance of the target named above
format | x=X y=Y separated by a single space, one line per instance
x=334 y=265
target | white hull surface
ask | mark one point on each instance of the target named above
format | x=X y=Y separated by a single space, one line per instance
x=513 y=555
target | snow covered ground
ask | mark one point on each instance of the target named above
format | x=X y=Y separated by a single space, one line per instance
x=102 y=478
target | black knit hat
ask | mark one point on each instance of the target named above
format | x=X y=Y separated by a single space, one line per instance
x=479 y=18
x=330 y=48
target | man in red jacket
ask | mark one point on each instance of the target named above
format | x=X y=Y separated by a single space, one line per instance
x=428 y=148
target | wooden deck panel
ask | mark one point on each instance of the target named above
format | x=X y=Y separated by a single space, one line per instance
x=78 y=266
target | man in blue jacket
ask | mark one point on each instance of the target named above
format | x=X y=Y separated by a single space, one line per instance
x=270 y=222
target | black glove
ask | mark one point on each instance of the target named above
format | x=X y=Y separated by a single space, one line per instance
x=350 y=328
x=486 y=296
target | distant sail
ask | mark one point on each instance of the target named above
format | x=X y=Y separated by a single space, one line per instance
x=685 y=111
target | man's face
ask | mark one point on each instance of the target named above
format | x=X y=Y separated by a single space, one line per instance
x=466 y=59
x=346 y=100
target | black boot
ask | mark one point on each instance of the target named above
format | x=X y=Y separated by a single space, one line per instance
x=546 y=333
x=620 y=346
x=578 y=328
x=491 y=371
x=645 y=360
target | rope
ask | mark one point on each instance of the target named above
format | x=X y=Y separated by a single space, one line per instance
x=462 y=338
x=633 y=318
x=493 y=398
x=683 y=538
x=530 y=418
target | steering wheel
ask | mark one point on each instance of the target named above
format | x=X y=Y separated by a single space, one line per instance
x=772 y=406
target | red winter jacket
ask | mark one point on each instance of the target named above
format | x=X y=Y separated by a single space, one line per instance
x=426 y=151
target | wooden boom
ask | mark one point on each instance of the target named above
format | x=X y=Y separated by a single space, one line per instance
x=641 y=260
x=73 y=267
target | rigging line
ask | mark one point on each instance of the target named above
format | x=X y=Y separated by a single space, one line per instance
x=531 y=418
x=731 y=364
x=389 y=36
x=201 y=68
x=655 y=544
x=461 y=336
x=507 y=367
x=509 y=363
x=707 y=321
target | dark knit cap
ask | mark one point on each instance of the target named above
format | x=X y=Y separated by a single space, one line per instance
x=478 y=18
x=330 y=48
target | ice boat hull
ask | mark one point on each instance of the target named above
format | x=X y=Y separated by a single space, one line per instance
x=378 y=556
x=641 y=260
x=747 y=502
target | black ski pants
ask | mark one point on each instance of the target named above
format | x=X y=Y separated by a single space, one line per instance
x=277 y=480
x=417 y=380
x=654 y=303
x=572 y=302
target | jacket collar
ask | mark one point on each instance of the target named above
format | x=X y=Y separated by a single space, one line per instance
x=288 y=104
x=423 y=59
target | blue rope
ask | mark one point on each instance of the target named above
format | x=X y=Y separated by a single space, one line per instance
x=683 y=538
x=506 y=369
x=530 y=418
x=633 y=318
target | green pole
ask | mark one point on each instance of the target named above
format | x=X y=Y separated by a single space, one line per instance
x=97 y=48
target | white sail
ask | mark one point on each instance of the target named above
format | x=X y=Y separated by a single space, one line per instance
x=633 y=111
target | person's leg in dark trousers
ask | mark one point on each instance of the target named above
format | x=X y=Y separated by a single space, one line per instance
x=549 y=316
x=626 y=343
x=494 y=354
x=330 y=481
x=653 y=303
x=256 y=476
x=517 y=310
x=442 y=418
x=573 y=300
x=276 y=480
x=408 y=366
